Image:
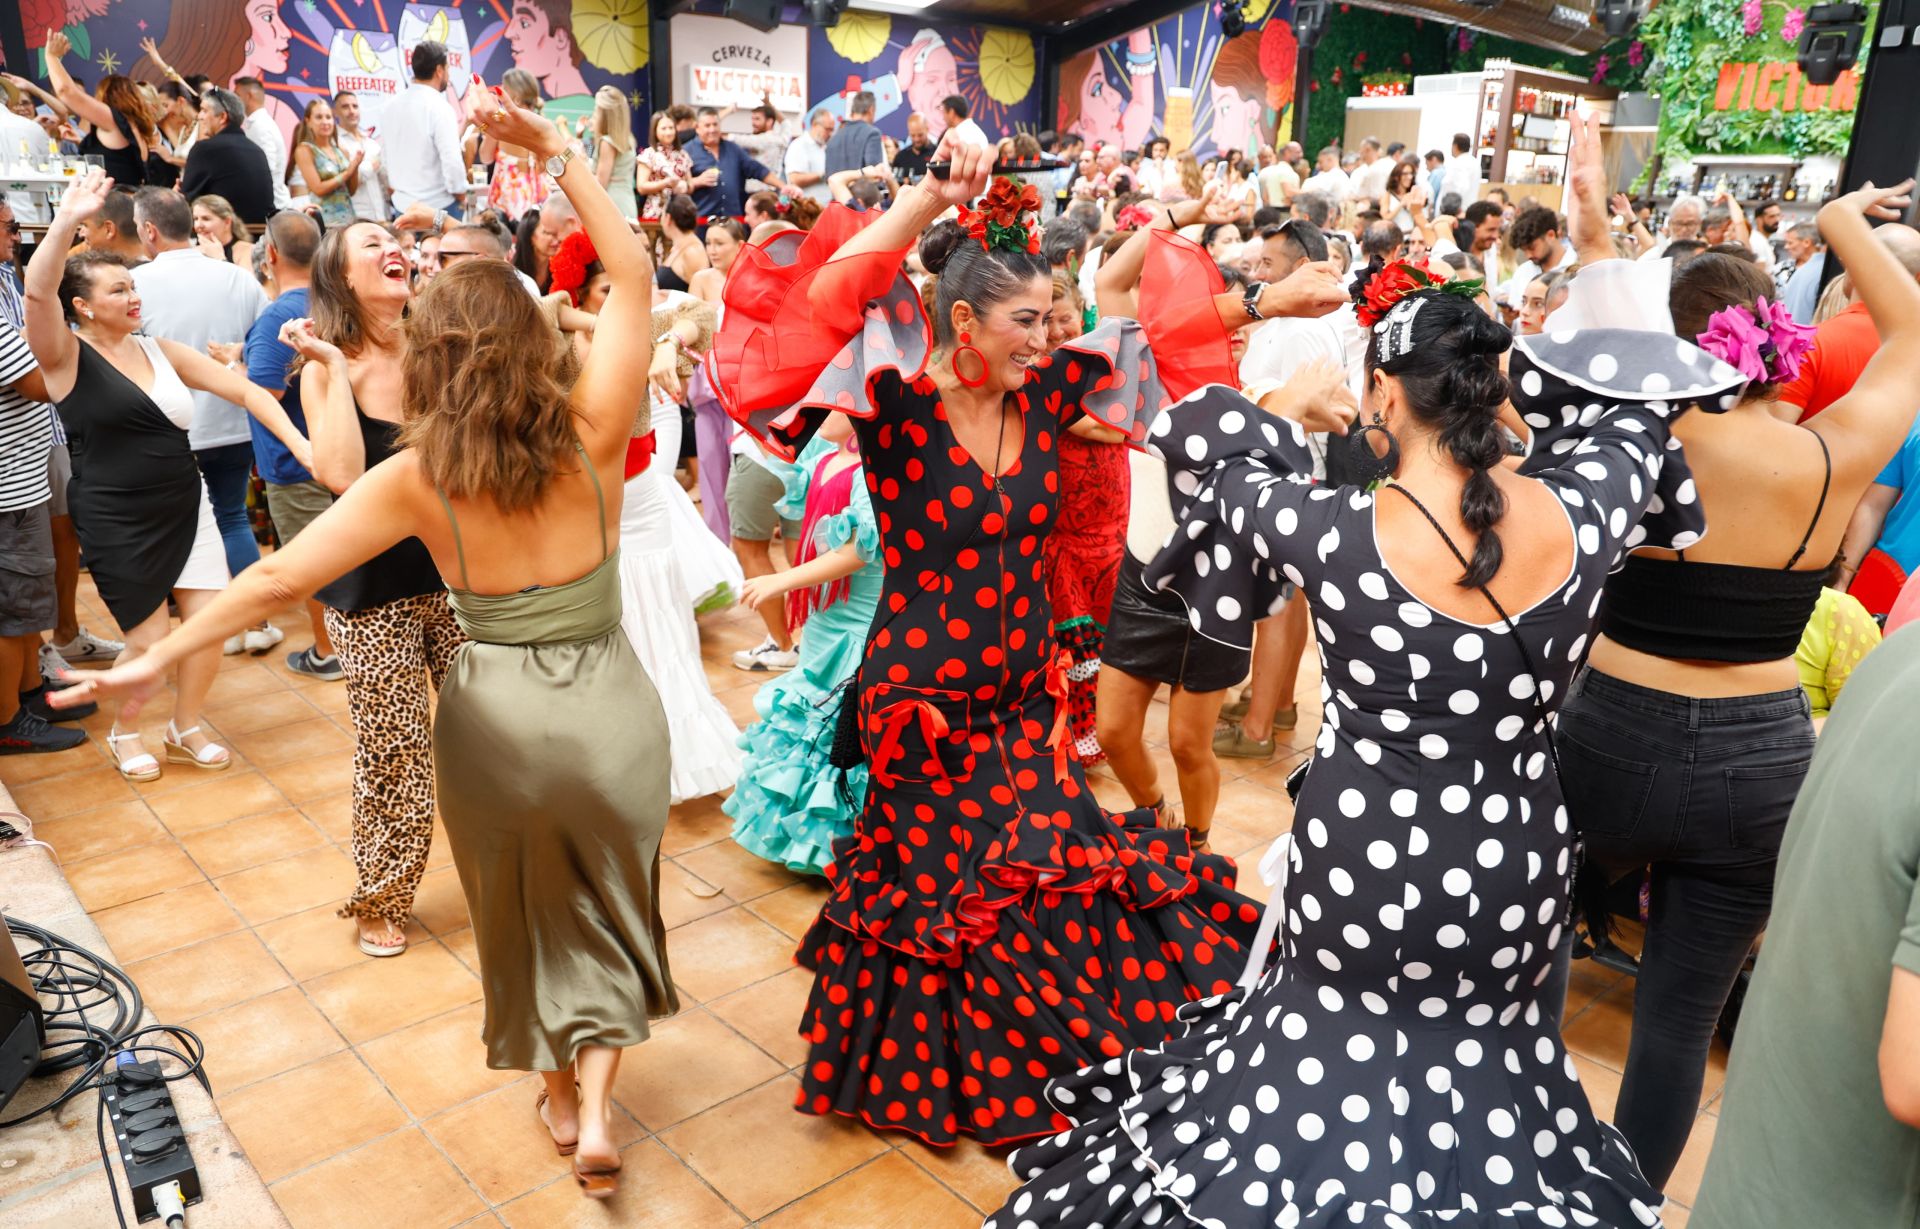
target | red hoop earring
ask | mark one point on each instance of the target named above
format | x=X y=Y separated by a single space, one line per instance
x=966 y=346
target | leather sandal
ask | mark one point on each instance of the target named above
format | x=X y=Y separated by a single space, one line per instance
x=213 y=757
x=540 y=1112
x=141 y=767
x=1163 y=816
x=596 y=1181
x=1197 y=838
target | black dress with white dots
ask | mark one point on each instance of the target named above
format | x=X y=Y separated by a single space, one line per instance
x=1389 y=1065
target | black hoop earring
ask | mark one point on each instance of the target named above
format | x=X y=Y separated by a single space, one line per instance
x=1369 y=470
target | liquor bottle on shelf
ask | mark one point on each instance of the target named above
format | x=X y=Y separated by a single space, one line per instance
x=1792 y=192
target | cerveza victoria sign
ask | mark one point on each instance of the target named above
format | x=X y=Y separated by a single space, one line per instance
x=1776 y=85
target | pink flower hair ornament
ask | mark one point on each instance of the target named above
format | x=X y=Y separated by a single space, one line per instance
x=1763 y=343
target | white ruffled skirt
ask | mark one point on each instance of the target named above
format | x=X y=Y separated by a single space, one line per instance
x=657 y=615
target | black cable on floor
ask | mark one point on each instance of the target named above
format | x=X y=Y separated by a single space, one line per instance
x=78 y=988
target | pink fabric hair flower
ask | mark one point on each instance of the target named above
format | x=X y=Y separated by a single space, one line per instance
x=1792 y=341
x=1764 y=344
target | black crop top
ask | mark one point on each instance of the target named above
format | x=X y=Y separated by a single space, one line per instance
x=402 y=570
x=1714 y=611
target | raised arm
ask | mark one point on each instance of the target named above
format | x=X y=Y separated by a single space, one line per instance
x=167 y=70
x=1863 y=428
x=900 y=227
x=197 y=370
x=21 y=83
x=615 y=376
x=326 y=395
x=77 y=100
x=1587 y=227
x=53 y=343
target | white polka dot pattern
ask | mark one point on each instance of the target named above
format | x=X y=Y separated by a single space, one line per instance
x=1389 y=1067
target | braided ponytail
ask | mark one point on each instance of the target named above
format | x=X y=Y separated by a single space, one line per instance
x=1452 y=378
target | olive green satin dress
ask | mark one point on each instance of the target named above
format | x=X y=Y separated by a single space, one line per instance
x=550 y=755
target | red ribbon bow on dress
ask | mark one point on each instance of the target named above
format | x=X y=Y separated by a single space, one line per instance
x=1059 y=739
x=893 y=720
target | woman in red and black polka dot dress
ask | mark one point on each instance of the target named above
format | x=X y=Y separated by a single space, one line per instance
x=990 y=925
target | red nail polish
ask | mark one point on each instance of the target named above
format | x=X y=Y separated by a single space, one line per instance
x=477 y=80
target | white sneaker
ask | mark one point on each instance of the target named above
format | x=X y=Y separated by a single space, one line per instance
x=260 y=640
x=85 y=646
x=766 y=656
x=53 y=666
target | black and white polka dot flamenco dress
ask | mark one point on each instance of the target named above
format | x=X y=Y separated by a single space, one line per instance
x=1389 y=1065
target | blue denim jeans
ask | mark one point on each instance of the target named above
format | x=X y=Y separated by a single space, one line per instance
x=1700 y=791
x=226 y=468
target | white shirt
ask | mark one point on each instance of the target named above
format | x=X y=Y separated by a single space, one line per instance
x=14 y=129
x=262 y=131
x=424 y=165
x=370 y=198
x=193 y=299
x=1282 y=346
x=807 y=156
x=1334 y=185
x=1371 y=179
x=1524 y=275
x=969 y=133
x=1462 y=175
x=1762 y=248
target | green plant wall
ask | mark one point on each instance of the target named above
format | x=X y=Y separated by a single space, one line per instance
x=1691 y=39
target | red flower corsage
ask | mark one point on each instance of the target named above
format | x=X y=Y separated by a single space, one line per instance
x=568 y=269
x=999 y=218
x=1395 y=282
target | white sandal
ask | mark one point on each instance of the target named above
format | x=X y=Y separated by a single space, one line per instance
x=142 y=767
x=213 y=757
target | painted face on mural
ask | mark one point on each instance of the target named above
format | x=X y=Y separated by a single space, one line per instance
x=929 y=73
x=535 y=46
x=1100 y=109
x=266 y=37
x=1235 y=119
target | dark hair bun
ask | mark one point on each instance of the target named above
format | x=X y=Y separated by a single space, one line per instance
x=938 y=243
x=1482 y=334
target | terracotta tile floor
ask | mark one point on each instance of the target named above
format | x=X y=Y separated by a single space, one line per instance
x=358 y=1087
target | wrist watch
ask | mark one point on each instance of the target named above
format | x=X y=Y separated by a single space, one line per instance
x=557 y=164
x=1251 y=301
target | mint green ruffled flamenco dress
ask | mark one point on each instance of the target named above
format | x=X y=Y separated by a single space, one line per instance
x=791 y=804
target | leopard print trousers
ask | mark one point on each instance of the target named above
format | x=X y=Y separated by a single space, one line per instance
x=385 y=651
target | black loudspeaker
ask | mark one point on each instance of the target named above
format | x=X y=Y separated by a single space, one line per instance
x=763 y=15
x=1886 y=141
x=23 y=1026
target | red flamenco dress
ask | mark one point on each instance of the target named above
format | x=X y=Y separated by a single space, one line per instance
x=1082 y=557
x=990 y=927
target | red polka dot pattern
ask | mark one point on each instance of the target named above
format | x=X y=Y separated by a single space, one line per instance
x=990 y=927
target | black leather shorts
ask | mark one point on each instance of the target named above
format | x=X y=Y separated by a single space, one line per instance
x=1149 y=637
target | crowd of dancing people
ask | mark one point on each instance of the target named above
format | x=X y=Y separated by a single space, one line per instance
x=1588 y=527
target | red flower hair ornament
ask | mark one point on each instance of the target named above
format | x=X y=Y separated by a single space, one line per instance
x=568 y=269
x=1000 y=218
x=1385 y=289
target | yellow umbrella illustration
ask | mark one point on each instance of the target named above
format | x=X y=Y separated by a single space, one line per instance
x=860 y=35
x=612 y=33
x=1006 y=65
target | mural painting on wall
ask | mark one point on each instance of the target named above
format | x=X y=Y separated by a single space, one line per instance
x=307 y=49
x=1182 y=79
x=910 y=65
